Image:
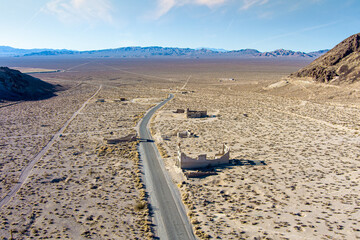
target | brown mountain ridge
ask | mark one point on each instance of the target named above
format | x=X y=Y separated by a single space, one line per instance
x=339 y=65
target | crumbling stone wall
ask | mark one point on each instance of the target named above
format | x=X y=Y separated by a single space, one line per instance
x=186 y=162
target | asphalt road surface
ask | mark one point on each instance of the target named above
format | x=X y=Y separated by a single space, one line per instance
x=170 y=216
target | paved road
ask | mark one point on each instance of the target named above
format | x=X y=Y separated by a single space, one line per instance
x=26 y=171
x=170 y=215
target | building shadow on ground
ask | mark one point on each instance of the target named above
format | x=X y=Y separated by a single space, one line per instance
x=244 y=162
x=214 y=170
x=145 y=140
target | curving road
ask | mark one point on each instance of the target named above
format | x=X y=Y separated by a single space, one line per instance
x=169 y=212
x=26 y=171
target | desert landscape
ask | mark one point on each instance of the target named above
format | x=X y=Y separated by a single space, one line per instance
x=180 y=120
x=296 y=168
x=294 y=171
x=82 y=187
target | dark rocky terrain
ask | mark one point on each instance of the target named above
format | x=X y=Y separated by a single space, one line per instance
x=15 y=86
x=340 y=65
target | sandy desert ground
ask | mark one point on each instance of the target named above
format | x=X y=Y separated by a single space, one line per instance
x=297 y=159
x=82 y=188
x=295 y=146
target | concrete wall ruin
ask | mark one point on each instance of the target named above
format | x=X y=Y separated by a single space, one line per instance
x=195 y=114
x=186 y=162
x=128 y=138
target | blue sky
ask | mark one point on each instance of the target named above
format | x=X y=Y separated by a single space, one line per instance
x=266 y=25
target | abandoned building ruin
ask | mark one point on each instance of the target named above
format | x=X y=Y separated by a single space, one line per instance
x=185 y=134
x=195 y=114
x=120 y=99
x=185 y=162
x=128 y=138
x=179 y=110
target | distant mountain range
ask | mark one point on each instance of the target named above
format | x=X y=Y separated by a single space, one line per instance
x=151 y=52
x=9 y=51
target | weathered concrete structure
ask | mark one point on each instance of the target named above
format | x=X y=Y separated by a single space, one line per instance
x=185 y=134
x=120 y=100
x=128 y=138
x=195 y=114
x=179 y=110
x=185 y=162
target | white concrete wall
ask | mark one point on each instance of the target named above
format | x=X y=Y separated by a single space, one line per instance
x=186 y=162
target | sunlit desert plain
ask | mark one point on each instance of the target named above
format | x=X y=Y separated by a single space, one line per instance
x=295 y=150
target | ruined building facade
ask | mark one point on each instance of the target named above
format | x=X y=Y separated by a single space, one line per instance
x=185 y=162
x=195 y=114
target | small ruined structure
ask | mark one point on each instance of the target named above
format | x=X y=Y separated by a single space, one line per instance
x=195 y=114
x=165 y=137
x=120 y=100
x=226 y=79
x=128 y=138
x=185 y=134
x=179 y=110
x=185 y=162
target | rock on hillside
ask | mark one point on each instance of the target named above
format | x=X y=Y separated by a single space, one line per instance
x=340 y=65
x=15 y=85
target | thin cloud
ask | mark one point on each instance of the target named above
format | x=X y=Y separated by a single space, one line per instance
x=308 y=29
x=164 y=6
x=33 y=17
x=209 y=3
x=251 y=3
x=80 y=10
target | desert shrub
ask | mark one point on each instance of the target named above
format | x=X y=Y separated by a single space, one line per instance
x=140 y=205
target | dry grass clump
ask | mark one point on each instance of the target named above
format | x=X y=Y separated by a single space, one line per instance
x=163 y=152
x=137 y=118
x=140 y=206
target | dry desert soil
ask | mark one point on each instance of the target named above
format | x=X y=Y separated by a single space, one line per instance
x=295 y=150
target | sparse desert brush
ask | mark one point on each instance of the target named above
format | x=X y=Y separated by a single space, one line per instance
x=185 y=196
x=162 y=151
x=140 y=206
x=142 y=194
x=196 y=227
x=195 y=221
x=190 y=214
x=137 y=117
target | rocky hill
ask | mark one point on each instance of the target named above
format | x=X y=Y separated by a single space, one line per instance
x=15 y=86
x=339 y=65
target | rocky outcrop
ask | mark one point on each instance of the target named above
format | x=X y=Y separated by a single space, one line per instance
x=340 y=65
x=15 y=86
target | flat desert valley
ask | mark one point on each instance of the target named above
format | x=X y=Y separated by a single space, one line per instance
x=295 y=150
